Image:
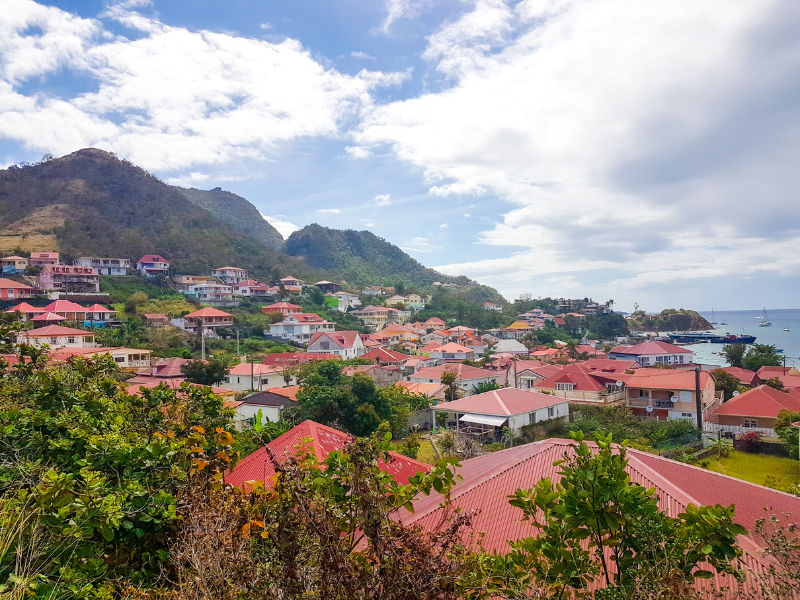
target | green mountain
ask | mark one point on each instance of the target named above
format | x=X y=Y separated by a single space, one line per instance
x=237 y=212
x=91 y=203
x=360 y=258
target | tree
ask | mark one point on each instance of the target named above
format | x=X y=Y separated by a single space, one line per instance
x=485 y=386
x=786 y=432
x=450 y=381
x=315 y=295
x=208 y=372
x=134 y=300
x=722 y=446
x=761 y=355
x=726 y=383
x=634 y=550
x=774 y=382
x=734 y=353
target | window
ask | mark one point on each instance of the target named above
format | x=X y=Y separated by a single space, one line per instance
x=747 y=423
x=531 y=418
x=686 y=396
x=551 y=412
x=53 y=341
x=565 y=387
x=325 y=345
x=70 y=340
x=687 y=415
x=642 y=394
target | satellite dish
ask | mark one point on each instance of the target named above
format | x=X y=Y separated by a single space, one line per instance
x=619 y=384
x=649 y=409
x=674 y=399
x=736 y=393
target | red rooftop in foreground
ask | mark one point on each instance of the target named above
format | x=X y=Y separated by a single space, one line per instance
x=323 y=440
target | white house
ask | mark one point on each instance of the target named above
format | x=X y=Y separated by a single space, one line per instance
x=346 y=344
x=300 y=327
x=487 y=414
x=255 y=376
x=452 y=352
x=211 y=292
x=270 y=402
x=467 y=377
x=230 y=275
x=57 y=336
x=347 y=301
x=106 y=266
x=649 y=354
x=492 y=306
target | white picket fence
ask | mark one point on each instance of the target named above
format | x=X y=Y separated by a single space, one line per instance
x=738 y=429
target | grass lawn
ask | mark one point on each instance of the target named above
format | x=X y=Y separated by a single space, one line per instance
x=426 y=453
x=758 y=467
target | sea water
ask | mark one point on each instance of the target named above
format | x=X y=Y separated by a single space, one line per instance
x=746 y=322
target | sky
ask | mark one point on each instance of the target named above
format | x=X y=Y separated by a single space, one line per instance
x=642 y=151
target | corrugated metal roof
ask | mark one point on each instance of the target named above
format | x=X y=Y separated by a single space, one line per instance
x=492 y=420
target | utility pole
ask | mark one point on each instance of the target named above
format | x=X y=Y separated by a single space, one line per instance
x=252 y=374
x=698 y=400
x=202 y=342
x=237 y=344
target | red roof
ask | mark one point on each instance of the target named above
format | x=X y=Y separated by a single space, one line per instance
x=279 y=305
x=63 y=306
x=289 y=391
x=452 y=348
x=559 y=321
x=254 y=368
x=295 y=358
x=463 y=372
x=606 y=365
x=384 y=355
x=24 y=307
x=323 y=440
x=168 y=367
x=208 y=312
x=745 y=376
x=306 y=317
x=99 y=308
x=345 y=339
x=579 y=376
x=57 y=331
x=502 y=402
x=669 y=379
x=489 y=479
x=767 y=372
x=762 y=401
x=649 y=348
x=10 y=283
x=48 y=316
x=153 y=258
x=434 y=321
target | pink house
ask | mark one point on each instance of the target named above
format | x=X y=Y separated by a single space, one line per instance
x=11 y=290
x=68 y=277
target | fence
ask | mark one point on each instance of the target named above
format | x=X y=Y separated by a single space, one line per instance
x=737 y=429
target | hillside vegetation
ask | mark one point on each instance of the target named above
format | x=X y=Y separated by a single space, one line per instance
x=669 y=320
x=90 y=203
x=236 y=212
x=360 y=258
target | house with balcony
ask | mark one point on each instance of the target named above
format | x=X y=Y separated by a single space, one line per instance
x=667 y=393
x=98 y=316
x=284 y=308
x=58 y=336
x=207 y=320
x=650 y=354
x=13 y=265
x=290 y=281
x=255 y=289
x=256 y=376
x=328 y=287
x=13 y=290
x=342 y=301
x=345 y=344
x=577 y=383
x=756 y=410
x=216 y=294
x=492 y=306
x=40 y=259
x=69 y=278
x=375 y=317
x=156 y=320
x=300 y=327
x=184 y=282
x=106 y=266
x=152 y=265
x=230 y=275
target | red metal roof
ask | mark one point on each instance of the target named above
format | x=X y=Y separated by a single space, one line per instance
x=63 y=306
x=648 y=348
x=48 y=316
x=24 y=308
x=606 y=365
x=99 y=308
x=322 y=441
x=582 y=378
x=345 y=339
x=57 y=331
x=208 y=312
x=762 y=401
x=10 y=283
x=463 y=372
x=279 y=305
x=502 y=402
x=153 y=258
x=667 y=379
x=489 y=479
x=385 y=355
x=743 y=375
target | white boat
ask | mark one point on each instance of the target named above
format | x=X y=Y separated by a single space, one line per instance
x=764 y=322
x=787 y=328
x=712 y=321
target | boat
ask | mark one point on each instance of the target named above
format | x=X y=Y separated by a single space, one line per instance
x=712 y=321
x=787 y=328
x=764 y=322
x=712 y=338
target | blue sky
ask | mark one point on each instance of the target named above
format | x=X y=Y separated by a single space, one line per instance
x=645 y=153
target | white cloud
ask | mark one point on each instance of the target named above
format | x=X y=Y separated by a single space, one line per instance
x=383 y=200
x=284 y=227
x=358 y=151
x=443 y=226
x=266 y=26
x=420 y=244
x=402 y=9
x=467 y=215
x=330 y=211
x=171 y=99
x=362 y=55
x=628 y=138
x=459 y=188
